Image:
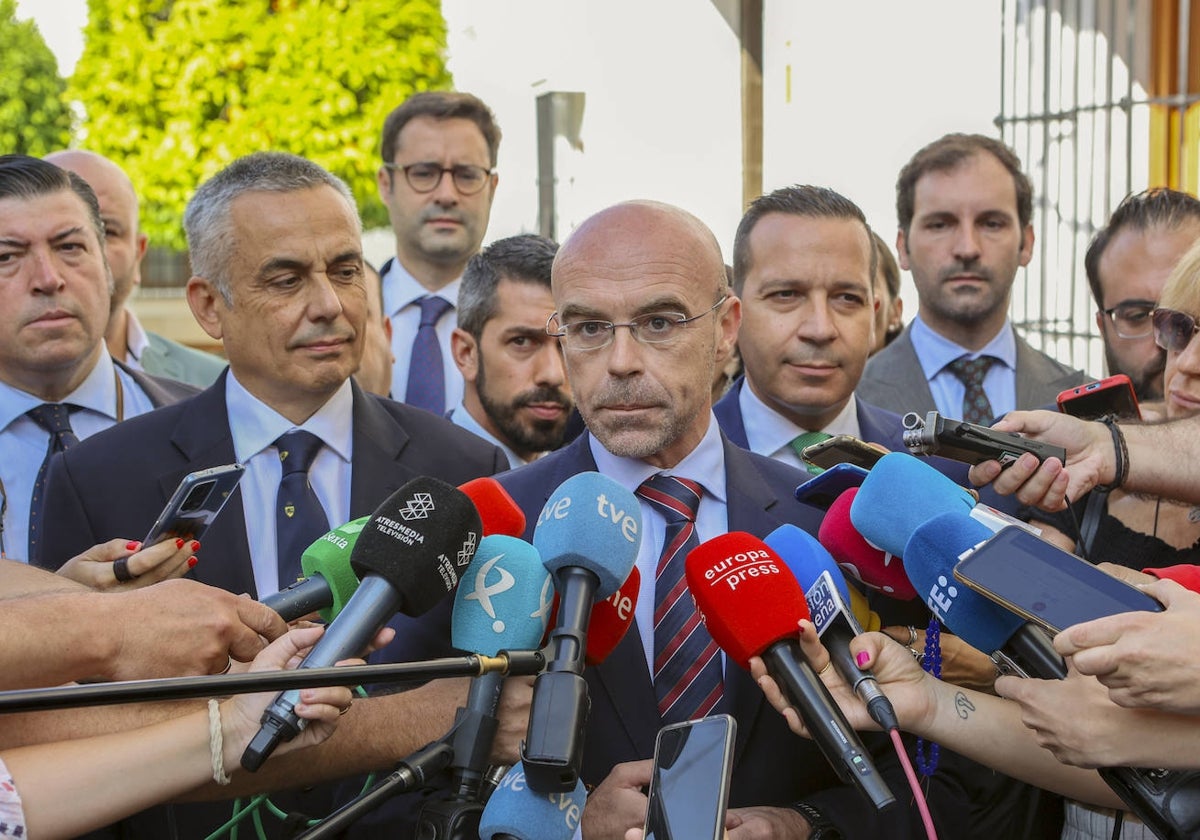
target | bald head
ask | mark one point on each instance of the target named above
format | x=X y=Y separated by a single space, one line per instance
x=124 y=244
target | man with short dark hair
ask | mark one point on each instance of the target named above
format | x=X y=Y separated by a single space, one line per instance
x=516 y=393
x=964 y=208
x=438 y=180
x=1127 y=264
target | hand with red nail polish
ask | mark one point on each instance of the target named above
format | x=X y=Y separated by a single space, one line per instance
x=122 y=565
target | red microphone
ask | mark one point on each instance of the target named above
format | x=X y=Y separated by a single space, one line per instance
x=751 y=602
x=610 y=619
x=859 y=559
x=497 y=510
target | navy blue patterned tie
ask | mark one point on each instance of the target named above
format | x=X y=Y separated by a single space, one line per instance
x=55 y=418
x=687 y=664
x=426 y=377
x=299 y=517
x=975 y=408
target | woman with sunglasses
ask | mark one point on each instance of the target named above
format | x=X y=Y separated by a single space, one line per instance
x=1137 y=531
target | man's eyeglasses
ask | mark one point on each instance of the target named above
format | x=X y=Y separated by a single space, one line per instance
x=651 y=328
x=424 y=177
x=1131 y=318
x=1173 y=330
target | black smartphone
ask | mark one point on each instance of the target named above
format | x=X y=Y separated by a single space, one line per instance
x=822 y=490
x=842 y=449
x=1044 y=584
x=970 y=442
x=689 y=787
x=1112 y=395
x=195 y=504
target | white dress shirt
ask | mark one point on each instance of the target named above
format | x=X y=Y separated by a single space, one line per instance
x=769 y=433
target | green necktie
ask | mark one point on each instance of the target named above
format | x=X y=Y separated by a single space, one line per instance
x=798 y=444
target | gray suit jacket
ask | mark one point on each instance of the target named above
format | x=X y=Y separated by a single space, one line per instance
x=893 y=378
x=179 y=362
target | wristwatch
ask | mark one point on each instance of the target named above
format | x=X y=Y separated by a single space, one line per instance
x=819 y=827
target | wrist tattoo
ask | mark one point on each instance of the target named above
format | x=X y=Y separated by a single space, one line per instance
x=962 y=705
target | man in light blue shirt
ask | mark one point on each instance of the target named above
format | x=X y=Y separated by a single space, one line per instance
x=516 y=393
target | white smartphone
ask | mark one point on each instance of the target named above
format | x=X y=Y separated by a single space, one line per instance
x=689 y=788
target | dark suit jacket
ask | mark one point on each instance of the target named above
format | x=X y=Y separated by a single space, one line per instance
x=115 y=483
x=893 y=378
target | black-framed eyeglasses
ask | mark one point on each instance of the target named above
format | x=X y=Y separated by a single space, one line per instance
x=1131 y=318
x=1173 y=330
x=425 y=176
x=651 y=328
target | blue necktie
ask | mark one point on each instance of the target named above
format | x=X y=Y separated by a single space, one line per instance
x=55 y=418
x=976 y=407
x=688 y=681
x=299 y=517
x=426 y=378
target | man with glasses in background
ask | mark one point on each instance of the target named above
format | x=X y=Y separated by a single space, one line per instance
x=437 y=180
x=1127 y=264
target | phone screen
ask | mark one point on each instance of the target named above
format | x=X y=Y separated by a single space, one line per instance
x=1045 y=584
x=690 y=783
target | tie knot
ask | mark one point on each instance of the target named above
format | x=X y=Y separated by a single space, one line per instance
x=297 y=450
x=55 y=418
x=971 y=371
x=676 y=498
x=432 y=309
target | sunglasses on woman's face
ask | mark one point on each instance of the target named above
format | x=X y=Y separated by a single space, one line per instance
x=1173 y=330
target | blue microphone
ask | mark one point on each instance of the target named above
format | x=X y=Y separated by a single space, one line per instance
x=516 y=812
x=589 y=534
x=899 y=494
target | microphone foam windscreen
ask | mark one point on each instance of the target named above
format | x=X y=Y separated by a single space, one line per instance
x=497 y=510
x=420 y=540
x=593 y=522
x=900 y=493
x=503 y=600
x=515 y=810
x=329 y=557
x=748 y=597
x=611 y=618
x=806 y=557
x=930 y=557
x=864 y=562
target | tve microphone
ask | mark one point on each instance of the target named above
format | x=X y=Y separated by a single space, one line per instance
x=751 y=605
x=501 y=604
x=588 y=534
x=499 y=513
x=873 y=567
x=610 y=619
x=328 y=580
x=516 y=812
x=408 y=557
x=899 y=494
x=822 y=584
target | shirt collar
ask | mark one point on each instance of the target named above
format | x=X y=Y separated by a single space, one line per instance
x=935 y=351
x=401 y=289
x=136 y=340
x=463 y=418
x=768 y=431
x=705 y=464
x=97 y=392
x=258 y=425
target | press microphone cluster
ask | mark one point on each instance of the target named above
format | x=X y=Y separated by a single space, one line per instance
x=517 y=812
x=408 y=556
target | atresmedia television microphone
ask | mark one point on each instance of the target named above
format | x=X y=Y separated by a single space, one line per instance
x=751 y=604
x=588 y=534
x=517 y=812
x=329 y=580
x=408 y=557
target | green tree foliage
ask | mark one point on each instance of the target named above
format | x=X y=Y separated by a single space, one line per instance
x=33 y=117
x=174 y=90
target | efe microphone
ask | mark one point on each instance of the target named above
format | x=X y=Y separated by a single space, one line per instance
x=517 y=812
x=408 y=557
x=751 y=605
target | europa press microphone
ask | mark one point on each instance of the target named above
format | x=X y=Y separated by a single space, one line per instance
x=329 y=581
x=1167 y=801
x=408 y=557
x=516 y=812
x=588 y=533
x=751 y=603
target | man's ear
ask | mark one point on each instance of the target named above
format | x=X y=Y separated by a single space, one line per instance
x=465 y=350
x=902 y=249
x=206 y=303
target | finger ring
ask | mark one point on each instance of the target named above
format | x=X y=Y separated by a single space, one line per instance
x=121 y=571
x=917 y=655
x=912 y=636
x=825 y=668
x=228 y=665
x=348 y=705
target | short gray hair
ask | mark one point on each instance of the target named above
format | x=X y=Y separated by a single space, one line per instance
x=208 y=221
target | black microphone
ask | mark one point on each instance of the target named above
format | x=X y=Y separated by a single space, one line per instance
x=588 y=534
x=408 y=557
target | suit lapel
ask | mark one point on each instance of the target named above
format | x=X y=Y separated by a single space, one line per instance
x=375 y=471
x=907 y=376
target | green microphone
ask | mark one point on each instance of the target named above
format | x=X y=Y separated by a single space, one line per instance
x=328 y=580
